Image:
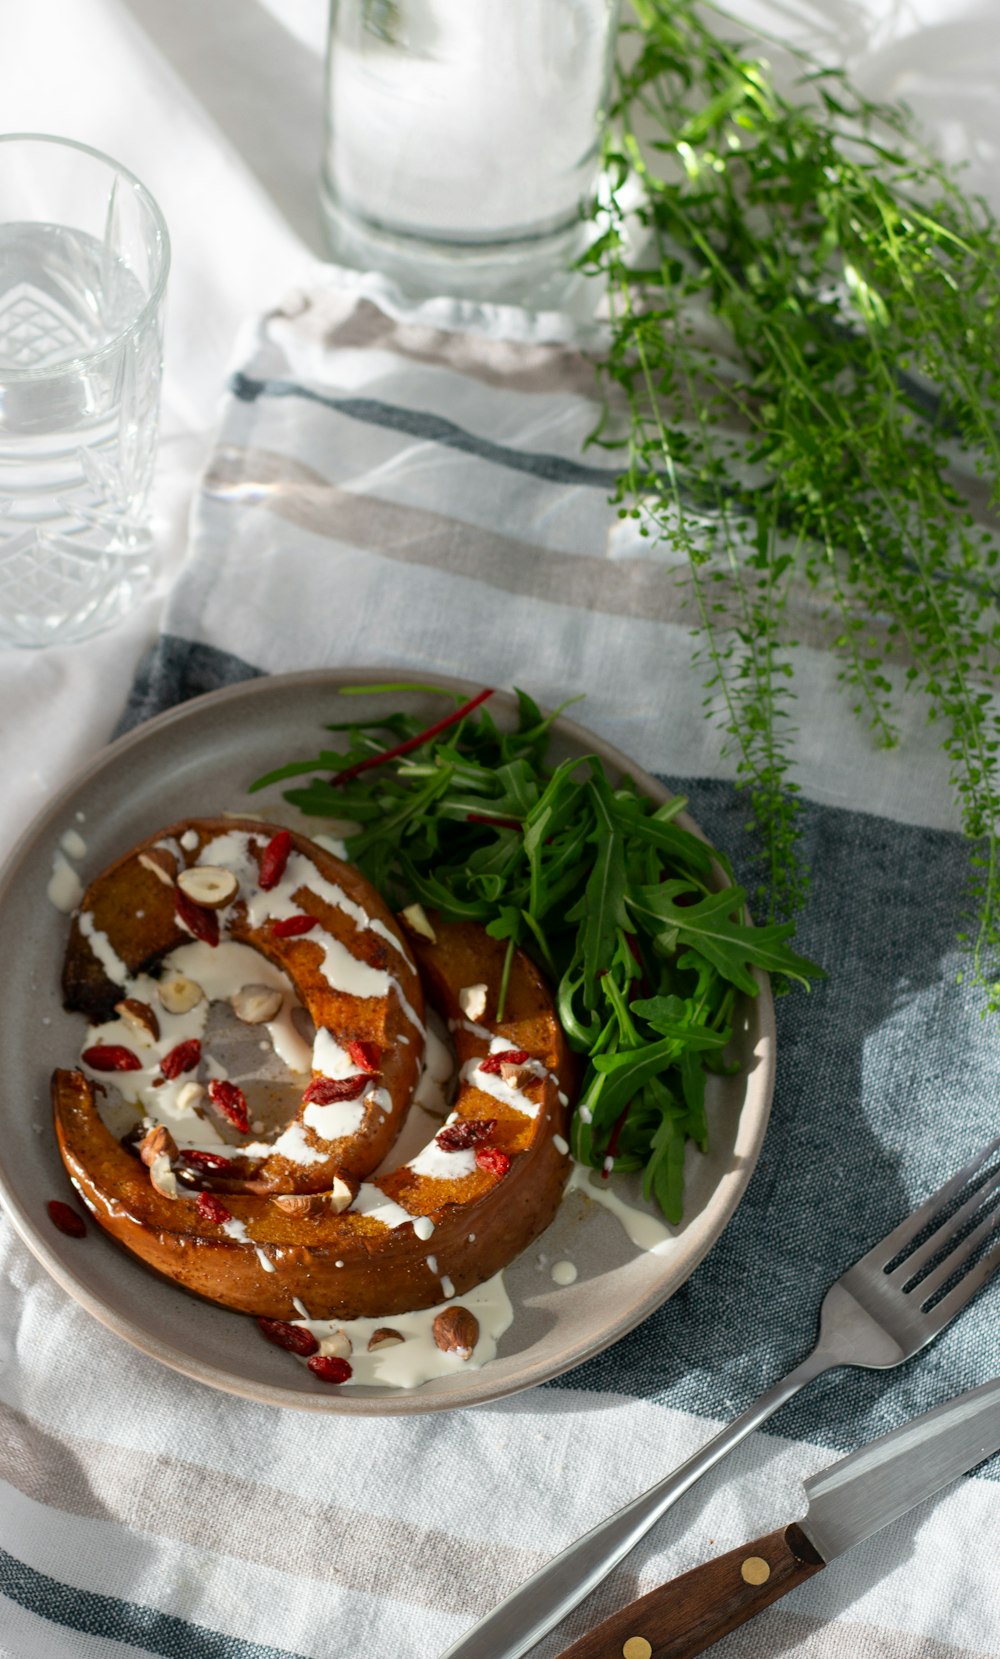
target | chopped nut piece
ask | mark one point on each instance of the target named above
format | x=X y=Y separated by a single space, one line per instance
x=139 y=1016
x=179 y=994
x=190 y=1096
x=156 y=1142
x=208 y=885
x=417 y=919
x=256 y=1004
x=456 y=1331
x=472 y=1001
x=162 y=1176
x=340 y=1195
x=316 y=1203
x=384 y=1337
x=300 y=1203
x=518 y=1077
x=337 y=1345
x=161 y=863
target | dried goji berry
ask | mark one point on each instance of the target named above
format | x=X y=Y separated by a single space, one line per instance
x=111 y=1057
x=274 y=858
x=329 y=1368
x=293 y=1337
x=212 y=1162
x=289 y=927
x=366 y=1057
x=231 y=1101
x=212 y=1209
x=323 y=1091
x=492 y=1160
x=182 y=1058
x=504 y=1057
x=204 y=924
x=457 y=1137
x=65 y=1219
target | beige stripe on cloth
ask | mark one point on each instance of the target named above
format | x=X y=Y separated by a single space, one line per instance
x=646 y=589
x=284 y=1531
x=345 y=322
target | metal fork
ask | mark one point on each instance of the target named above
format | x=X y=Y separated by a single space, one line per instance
x=877 y=1314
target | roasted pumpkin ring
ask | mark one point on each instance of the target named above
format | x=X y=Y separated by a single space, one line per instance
x=307 y=914
x=267 y=1240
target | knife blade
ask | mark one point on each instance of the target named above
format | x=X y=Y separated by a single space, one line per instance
x=847 y=1503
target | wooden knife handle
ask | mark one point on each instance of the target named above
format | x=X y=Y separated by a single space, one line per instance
x=689 y=1613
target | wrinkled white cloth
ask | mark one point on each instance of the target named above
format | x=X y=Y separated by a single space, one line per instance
x=144 y=1514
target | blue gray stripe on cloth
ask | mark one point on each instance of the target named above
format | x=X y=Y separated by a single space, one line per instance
x=147 y=1628
x=175 y=670
x=888 y=1079
x=421 y=423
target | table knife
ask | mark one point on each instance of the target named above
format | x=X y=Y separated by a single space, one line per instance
x=847 y=1503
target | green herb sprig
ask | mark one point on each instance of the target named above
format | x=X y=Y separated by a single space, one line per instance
x=805 y=347
x=612 y=897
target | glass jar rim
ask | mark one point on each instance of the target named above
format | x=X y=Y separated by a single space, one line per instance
x=161 y=242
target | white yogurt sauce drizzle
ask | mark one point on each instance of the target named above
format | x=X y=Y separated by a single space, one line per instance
x=235 y=1229
x=103 y=949
x=232 y=852
x=223 y=969
x=643 y=1230
x=65 y=889
x=493 y=1084
x=417 y=1359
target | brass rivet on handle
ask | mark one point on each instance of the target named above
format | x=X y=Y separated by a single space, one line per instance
x=755 y=1570
x=637 y=1647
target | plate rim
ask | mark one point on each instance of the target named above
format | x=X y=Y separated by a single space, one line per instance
x=720 y=1207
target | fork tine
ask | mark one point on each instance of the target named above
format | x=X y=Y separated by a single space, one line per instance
x=923 y=1292
x=962 y=1294
x=910 y=1266
x=894 y=1242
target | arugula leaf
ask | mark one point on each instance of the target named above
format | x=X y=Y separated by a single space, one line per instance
x=731 y=946
x=612 y=897
x=603 y=903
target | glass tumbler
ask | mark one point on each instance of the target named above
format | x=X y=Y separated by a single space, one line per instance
x=83 y=265
x=462 y=137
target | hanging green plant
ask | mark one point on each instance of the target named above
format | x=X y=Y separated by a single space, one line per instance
x=804 y=341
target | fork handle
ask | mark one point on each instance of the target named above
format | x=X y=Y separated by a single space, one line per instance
x=538 y=1604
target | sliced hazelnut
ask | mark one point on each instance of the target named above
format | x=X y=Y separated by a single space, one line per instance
x=456 y=1331
x=139 y=1016
x=161 y=862
x=337 y=1345
x=208 y=885
x=157 y=1142
x=256 y=1004
x=179 y=994
x=472 y=1001
x=340 y=1195
x=418 y=921
x=517 y=1076
x=384 y=1337
x=162 y=1176
x=190 y=1096
x=300 y=1203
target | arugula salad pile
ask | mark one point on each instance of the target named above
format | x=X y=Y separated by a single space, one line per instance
x=616 y=902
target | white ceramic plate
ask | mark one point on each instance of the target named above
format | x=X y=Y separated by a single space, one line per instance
x=197 y=760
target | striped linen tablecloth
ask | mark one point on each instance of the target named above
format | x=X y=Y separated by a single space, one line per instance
x=414 y=487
